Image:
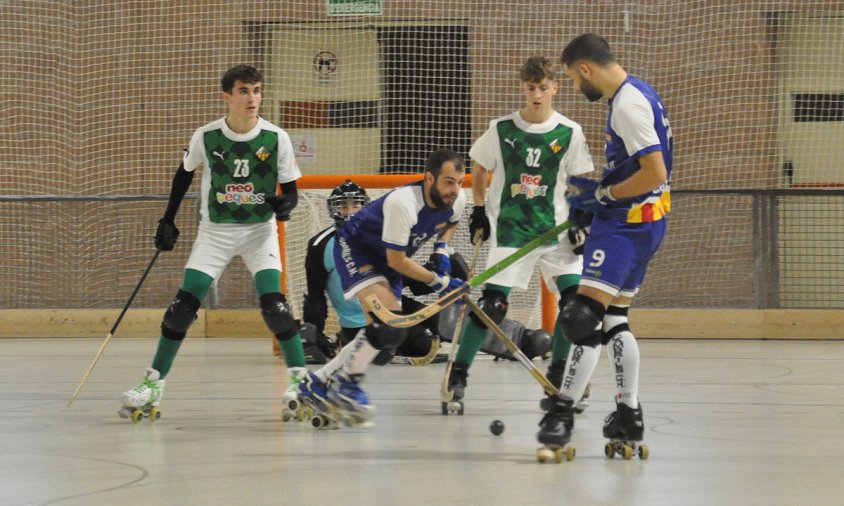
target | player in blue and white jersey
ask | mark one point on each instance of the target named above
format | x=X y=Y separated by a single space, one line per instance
x=630 y=205
x=373 y=253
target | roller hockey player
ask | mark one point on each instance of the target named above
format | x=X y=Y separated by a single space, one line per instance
x=245 y=158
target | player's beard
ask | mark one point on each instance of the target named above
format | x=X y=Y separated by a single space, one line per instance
x=437 y=200
x=589 y=90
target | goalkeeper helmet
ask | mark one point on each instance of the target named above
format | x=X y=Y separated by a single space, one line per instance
x=346 y=200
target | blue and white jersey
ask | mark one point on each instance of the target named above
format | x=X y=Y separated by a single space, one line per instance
x=398 y=220
x=637 y=124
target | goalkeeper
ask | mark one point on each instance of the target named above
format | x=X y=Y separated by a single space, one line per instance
x=244 y=158
x=530 y=153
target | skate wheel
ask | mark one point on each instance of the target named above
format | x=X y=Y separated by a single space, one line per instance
x=154 y=414
x=293 y=405
x=460 y=408
x=644 y=452
x=319 y=422
x=558 y=455
x=609 y=450
x=626 y=452
x=137 y=415
x=300 y=415
x=571 y=452
x=286 y=417
x=444 y=408
x=544 y=455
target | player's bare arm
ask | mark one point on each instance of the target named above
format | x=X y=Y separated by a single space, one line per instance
x=399 y=262
x=649 y=177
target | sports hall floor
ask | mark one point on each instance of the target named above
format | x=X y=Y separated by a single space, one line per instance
x=727 y=422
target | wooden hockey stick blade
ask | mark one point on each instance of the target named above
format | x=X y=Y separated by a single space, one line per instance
x=114 y=327
x=404 y=321
x=408 y=320
x=540 y=378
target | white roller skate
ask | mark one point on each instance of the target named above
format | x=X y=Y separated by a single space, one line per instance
x=292 y=408
x=143 y=400
x=350 y=400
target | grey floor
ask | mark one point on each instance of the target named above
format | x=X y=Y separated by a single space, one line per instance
x=728 y=422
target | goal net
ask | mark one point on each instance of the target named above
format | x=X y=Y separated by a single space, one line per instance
x=101 y=97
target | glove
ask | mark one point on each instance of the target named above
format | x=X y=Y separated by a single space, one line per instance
x=581 y=222
x=445 y=283
x=439 y=259
x=479 y=221
x=281 y=205
x=166 y=235
x=593 y=198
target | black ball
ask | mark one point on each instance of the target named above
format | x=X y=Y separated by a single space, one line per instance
x=496 y=427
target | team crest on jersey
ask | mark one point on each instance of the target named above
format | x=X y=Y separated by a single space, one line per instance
x=262 y=154
x=555 y=146
x=530 y=186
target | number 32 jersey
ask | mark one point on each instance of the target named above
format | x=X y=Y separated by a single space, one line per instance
x=530 y=163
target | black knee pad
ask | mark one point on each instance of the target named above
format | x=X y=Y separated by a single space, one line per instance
x=608 y=334
x=494 y=304
x=180 y=316
x=383 y=337
x=579 y=319
x=278 y=316
x=567 y=295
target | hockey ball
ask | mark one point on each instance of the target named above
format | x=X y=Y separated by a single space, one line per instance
x=496 y=427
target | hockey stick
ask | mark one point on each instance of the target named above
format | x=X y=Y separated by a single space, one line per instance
x=114 y=328
x=445 y=394
x=540 y=378
x=423 y=360
x=408 y=320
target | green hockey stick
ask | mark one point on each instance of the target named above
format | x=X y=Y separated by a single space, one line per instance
x=408 y=320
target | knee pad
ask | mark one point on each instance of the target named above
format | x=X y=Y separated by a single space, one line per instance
x=494 y=304
x=567 y=295
x=278 y=316
x=579 y=319
x=617 y=317
x=383 y=337
x=180 y=316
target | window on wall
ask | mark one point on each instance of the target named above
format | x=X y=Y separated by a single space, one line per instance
x=425 y=93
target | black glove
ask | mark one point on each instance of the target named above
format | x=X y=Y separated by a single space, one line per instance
x=282 y=206
x=166 y=235
x=479 y=221
x=581 y=223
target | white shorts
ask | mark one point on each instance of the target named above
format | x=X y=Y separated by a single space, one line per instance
x=218 y=243
x=554 y=260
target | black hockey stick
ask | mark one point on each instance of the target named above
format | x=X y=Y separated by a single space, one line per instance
x=114 y=328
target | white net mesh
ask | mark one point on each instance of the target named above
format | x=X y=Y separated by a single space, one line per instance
x=101 y=97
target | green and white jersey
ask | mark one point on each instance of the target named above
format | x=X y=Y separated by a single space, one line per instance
x=240 y=169
x=530 y=163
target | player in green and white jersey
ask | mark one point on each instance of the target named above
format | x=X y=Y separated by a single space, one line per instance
x=244 y=158
x=530 y=153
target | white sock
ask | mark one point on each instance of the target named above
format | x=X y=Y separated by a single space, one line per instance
x=623 y=352
x=361 y=354
x=580 y=365
x=324 y=372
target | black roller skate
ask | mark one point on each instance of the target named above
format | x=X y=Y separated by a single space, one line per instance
x=457 y=382
x=625 y=428
x=555 y=430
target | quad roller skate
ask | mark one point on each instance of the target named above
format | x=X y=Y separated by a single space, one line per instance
x=143 y=400
x=293 y=409
x=555 y=374
x=350 y=401
x=555 y=431
x=457 y=381
x=313 y=394
x=625 y=428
